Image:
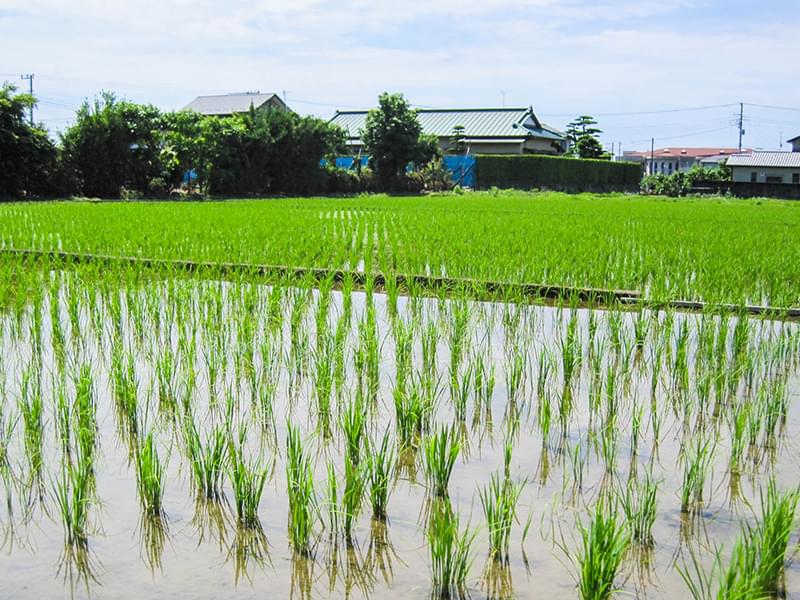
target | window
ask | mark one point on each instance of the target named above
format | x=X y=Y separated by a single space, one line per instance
x=796 y=178
x=753 y=177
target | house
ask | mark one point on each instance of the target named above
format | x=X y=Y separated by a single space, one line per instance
x=485 y=130
x=672 y=160
x=795 y=142
x=766 y=167
x=225 y=105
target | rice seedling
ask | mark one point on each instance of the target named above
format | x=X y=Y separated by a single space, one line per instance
x=355 y=486
x=150 y=477
x=247 y=477
x=771 y=536
x=381 y=465
x=441 y=451
x=450 y=551
x=603 y=545
x=640 y=507
x=499 y=501
x=208 y=459
x=697 y=462
x=73 y=497
x=300 y=488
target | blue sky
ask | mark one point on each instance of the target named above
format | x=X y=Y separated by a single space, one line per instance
x=564 y=57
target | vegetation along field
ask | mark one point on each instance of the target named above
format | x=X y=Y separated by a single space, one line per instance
x=238 y=433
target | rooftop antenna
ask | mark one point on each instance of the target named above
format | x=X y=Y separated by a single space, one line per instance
x=503 y=94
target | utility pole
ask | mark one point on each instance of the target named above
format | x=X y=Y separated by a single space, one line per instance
x=652 y=155
x=29 y=77
x=741 y=125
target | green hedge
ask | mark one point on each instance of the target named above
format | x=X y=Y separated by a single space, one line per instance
x=574 y=174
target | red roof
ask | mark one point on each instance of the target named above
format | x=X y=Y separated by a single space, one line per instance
x=687 y=152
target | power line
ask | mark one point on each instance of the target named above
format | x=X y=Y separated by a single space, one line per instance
x=648 y=112
x=772 y=107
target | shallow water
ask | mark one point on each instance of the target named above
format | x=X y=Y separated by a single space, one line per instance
x=195 y=559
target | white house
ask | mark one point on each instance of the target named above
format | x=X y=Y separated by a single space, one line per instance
x=767 y=167
x=485 y=130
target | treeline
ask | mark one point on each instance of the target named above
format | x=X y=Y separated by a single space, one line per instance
x=121 y=149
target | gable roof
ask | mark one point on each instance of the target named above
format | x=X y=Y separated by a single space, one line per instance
x=478 y=123
x=229 y=104
x=789 y=160
x=794 y=139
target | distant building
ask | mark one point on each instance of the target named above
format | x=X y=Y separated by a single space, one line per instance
x=672 y=160
x=225 y=105
x=795 y=142
x=767 y=167
x=485 y=130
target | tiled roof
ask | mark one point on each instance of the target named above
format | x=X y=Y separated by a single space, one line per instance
x=788 y=160
x=478 y=123
x=227 y=104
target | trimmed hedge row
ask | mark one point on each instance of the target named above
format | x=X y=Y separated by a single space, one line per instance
x=572 y=174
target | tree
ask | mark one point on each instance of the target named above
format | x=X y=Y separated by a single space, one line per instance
x=393 y=137
x=113 y=145
x=27 y=155
x=583 y=137
x=458 y=143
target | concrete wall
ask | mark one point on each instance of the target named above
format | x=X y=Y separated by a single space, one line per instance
x=744 y=174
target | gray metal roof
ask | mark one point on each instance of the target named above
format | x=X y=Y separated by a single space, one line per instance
x=788 y=160
x=228 y=104
x=495 y=123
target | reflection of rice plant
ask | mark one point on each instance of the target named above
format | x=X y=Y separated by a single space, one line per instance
x=450 y=550
x=441 y=452
x=247 y=479
x=300 y=487
x=604 y=542
x=380 y=473
x=149 y=477
x=499 y=500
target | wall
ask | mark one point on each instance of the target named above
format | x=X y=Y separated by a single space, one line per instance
x=743 y=174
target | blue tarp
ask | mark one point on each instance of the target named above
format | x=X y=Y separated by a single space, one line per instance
x=462 y=168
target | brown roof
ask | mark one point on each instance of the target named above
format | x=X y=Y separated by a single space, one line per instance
x=687 y=152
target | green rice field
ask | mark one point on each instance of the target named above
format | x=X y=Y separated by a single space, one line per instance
x=243 y=433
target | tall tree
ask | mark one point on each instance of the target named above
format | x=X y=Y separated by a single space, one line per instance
x=584 y=137
x=393 y=137
x=27 y=155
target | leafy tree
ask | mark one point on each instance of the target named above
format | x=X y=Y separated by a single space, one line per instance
x=113 y=145
x=458 y=143
x=27 y=155
x=583 y=137
x=393 y=137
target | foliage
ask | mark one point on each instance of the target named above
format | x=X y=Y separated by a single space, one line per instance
x=113 y=144
x=528 y=171
x=393 y=138
x=433 y=177
x=27 y=156
x=680 y=183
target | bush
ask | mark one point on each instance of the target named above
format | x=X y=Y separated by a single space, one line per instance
x=571 y=174
x=681 y=183
x=433 y=177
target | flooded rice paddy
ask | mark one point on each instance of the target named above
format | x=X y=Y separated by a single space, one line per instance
x=140 y=418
